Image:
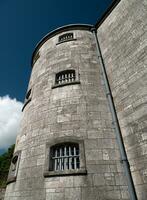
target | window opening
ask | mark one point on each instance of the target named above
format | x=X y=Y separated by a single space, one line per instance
x=66 y=37
x=65 y=157
x=65 y=77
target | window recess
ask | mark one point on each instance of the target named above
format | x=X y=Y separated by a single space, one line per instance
x=14 y=167
x=65 y=159
x=66 y=77
x=66 y=37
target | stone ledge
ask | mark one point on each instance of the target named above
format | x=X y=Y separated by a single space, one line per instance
x=64 y=84
x=65 y=173
x=11 y=180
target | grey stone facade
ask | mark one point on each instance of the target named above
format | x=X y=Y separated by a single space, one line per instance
x=123 y=41
x=80 y=112
x=2 y=193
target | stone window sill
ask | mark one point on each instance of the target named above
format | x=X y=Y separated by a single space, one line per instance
x=11 y=180
x=64 y=84
x=65 y=173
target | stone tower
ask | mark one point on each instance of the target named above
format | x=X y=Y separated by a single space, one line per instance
x=66 y=148
x=67 y=145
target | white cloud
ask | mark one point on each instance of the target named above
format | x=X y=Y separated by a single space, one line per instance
x=10 y=115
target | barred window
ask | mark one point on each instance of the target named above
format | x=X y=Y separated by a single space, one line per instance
x=66 y=37
x=64 y=157
x=65 y=77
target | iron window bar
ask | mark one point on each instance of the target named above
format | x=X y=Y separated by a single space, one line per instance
x=66 y=37
x=65 y=77
x=65 y=158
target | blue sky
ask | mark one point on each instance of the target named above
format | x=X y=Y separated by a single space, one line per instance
x=24 y=23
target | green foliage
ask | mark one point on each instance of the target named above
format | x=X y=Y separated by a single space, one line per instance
x=5 y=161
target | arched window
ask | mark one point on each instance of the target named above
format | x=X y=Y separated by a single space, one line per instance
x=64 y=157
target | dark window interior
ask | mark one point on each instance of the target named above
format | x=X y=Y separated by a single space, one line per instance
x=14 y=162
x=65 y=77
x=64 y=157
x=66 y=37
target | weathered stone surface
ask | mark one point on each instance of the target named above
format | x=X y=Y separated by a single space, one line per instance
x=2 y=193
x=81 y=111
x=123 y=41
x=74 y=111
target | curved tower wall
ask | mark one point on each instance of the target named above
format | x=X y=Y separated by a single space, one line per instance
x=122 y=38
x=76 y=112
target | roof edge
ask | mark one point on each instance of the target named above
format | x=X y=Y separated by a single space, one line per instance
x=59 y=30
x=107 y=13
x=74 y=27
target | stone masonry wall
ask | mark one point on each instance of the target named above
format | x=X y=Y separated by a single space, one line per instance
x=2 y=193
x=123 y=41
x=75 y=111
